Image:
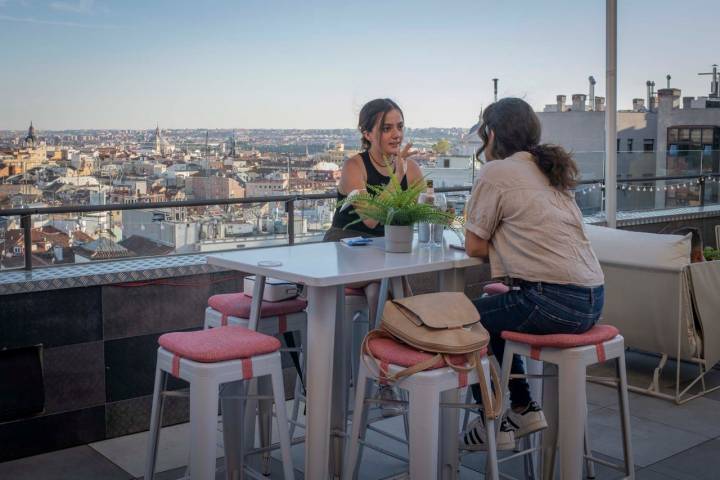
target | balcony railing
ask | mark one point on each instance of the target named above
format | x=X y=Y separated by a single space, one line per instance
x=289 y=201
x=589 y=195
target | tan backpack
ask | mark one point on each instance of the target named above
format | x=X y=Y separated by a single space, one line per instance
x=445 y=323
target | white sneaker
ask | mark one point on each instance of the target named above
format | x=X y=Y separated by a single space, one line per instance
x=475 y=437
x=528 y=421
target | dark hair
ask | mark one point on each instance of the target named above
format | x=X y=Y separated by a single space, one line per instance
x=369 y=115
x=696 y=241
x=517 y=128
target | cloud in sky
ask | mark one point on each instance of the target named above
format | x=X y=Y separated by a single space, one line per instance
x=78 y=6
x=57 y=23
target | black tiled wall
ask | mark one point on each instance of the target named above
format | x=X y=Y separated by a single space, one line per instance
x=51 y=318
x=99 y=358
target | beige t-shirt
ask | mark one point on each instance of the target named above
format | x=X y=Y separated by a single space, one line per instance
x=535 y=231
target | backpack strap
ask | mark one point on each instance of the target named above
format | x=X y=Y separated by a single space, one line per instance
x=383 y=374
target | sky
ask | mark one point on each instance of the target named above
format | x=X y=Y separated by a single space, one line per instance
x=83 y=64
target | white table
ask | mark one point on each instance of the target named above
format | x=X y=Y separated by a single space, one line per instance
x=324 y=268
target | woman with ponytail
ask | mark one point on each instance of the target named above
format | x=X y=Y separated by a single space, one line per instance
x=522 y=215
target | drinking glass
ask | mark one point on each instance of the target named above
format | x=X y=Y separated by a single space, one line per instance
x=437 y=230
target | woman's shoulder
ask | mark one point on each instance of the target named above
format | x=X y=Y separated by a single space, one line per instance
x=354 y=162
x=506 y=169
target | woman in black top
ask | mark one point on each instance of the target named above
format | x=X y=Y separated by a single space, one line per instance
x=381 y=124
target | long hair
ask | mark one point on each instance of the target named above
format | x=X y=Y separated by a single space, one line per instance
x=369 y=116
x=517 y=128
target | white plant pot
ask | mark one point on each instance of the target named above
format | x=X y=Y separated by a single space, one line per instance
x=398 y=239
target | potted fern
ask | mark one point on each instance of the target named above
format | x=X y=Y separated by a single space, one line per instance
x=398 y=210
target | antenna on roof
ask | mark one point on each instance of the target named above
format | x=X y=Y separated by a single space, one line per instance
x=714 y=93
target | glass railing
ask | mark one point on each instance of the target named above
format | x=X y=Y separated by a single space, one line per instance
x=61 y=234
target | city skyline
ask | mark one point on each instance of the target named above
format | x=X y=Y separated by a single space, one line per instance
x=254 y=65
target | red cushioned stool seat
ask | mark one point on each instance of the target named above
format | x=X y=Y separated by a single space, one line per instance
x=238 y=305
x=219 y=344
x=391 y=351
x=594 y=336
x=354 y=292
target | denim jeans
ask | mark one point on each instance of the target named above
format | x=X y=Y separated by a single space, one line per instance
x=537 y=308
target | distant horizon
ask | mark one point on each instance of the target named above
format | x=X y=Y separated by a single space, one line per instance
x=101 y=65
x=40 y=130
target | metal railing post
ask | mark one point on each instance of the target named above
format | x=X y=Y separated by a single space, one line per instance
x=26 y=224
x=290 y=209
x=702 y=191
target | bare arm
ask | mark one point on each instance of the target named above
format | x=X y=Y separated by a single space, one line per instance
x=414 y=173
x=476 y=246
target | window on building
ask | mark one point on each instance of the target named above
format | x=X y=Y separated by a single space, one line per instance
x=446 y=163
x=707 y=136
x=649 y=145
x=618 y=144
x=695 y=138
x=629 y=144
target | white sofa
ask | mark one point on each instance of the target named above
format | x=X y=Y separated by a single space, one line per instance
x=650 y=290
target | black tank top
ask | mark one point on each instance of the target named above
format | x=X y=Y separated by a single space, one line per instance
x=340 y=219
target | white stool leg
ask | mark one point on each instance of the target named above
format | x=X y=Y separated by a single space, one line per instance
x=352 y=446
x=550 y=407
x=265 y=421
x=233 y=416
x=299 y=379
x=424 y=432
x=466 y=415
x=587 y=449
x=297 y=396
x=155 y=423
x=533 y=367
x=360 y=326
x=203 y=427
x=491 y=468
x=573 y=405
x=282 y=423
x=625 y=416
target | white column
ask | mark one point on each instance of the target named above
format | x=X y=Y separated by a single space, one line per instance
x=611 y=112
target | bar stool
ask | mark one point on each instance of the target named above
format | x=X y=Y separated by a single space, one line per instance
x=208 y=359
x=276 y=318
x=424 y=390
x=570 y=355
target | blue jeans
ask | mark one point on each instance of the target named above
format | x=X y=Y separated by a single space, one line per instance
x=537 y=308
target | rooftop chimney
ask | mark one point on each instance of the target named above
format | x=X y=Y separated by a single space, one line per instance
x=599 y=104
x=669 y=99
x=650 y=95
x=591 y=98
x=668 y=77
x=561 y=102
x=578 y=102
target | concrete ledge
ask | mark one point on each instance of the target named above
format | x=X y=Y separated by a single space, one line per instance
x=103 y=273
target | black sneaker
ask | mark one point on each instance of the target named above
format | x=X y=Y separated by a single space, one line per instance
x=475 y=437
